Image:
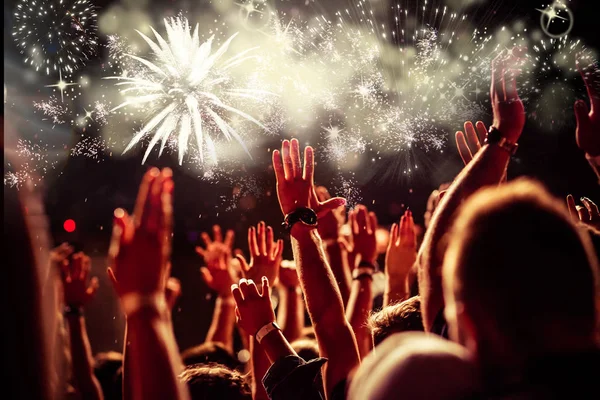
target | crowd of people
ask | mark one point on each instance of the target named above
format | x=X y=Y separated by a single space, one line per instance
x=499 y=299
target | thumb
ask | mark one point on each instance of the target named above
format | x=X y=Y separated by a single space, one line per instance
x=330 y=205
x=581 y=112
x=206 y=275
x=243 y=263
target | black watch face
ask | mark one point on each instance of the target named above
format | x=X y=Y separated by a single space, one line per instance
x=308 y=216
x=494 y=136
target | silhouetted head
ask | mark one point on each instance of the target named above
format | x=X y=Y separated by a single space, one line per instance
x=213 y=381
x=519 y=277
x=400 y=317
x=209 y=352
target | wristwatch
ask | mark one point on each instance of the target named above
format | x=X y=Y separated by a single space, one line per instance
x=265 y=330
x=495 y=137
x=303 y=214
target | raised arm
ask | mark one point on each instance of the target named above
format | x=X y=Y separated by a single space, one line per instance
x=265 y=260
x=399 y=260
x=486 y=168
x=588 y=120
x=296 y=193
x=291 y=306
x=77 y=293
x=219 y=275
x=360 y=304
x=138 y=266
x=329 y=230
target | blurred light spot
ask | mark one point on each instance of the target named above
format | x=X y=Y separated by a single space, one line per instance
x=69 y=225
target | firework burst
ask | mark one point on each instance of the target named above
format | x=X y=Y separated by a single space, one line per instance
x=189 y=90
x=55 y=35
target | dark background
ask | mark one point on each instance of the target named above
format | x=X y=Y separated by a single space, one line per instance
x=87 y=191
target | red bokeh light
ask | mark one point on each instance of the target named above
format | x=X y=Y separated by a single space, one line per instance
x=69 y=225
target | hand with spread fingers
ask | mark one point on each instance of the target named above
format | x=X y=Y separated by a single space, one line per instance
x=78 y=289
x=216 y=248
x=508 y=109
x=254 y=310
x=219 y=275
x=364 y=225
x=141 y=243
x=265 y=254
x=469 y=142
x=59 y=256
x=588 y=119
x=587 y=214
x=402 y=249
x=295 y=183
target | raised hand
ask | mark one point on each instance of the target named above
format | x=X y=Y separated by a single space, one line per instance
x=469 y=142
x=254 y=310
x=588 y=120
x=78 y=289
x=402 y=248
x=219 y=275
x=141 y=243
x=295 y=184
x=509 y=113
x=265 y=254
x=59 y=256
x=217 y=248
x=588 y=214
x=364 y=225
x=288 y=275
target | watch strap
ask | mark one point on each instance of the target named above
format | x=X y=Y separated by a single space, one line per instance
x=495 y=137
x=265 y=330
x=296 y=216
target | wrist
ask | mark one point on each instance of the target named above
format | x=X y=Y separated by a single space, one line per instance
x=302 y=232
x=73 y=311
x=266 y=330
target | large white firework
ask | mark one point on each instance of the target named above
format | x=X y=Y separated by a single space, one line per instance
x=188 y=89
x=55 y=36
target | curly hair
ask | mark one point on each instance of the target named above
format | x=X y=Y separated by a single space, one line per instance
x=214 y=381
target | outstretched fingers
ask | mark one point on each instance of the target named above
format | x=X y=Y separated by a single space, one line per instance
x=309 y=164
x=472 y=139
x=278 y=166
x=295 y=156
x=463 y=148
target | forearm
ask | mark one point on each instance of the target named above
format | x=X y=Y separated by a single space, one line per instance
x=595 y=164
x=335 y=337
x=291 y=312
x=81 y=353
x=396 y=290
x=223 y=322
x=486 y=168
x=153 y=357
x=260 y=365
x=340 y=268
x=357 y=312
